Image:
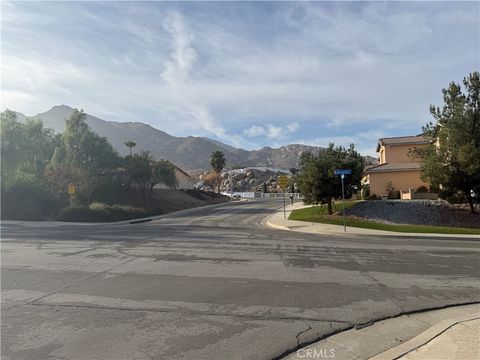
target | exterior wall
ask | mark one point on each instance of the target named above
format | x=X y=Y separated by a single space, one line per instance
x=397 y=153
x=401 y=180
x=382 y=155
x=184 y=182
x=413 y=195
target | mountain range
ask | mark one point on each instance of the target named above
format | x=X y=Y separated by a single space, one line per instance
x=189 y=153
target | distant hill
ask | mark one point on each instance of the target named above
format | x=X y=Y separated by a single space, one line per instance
x=190 y=152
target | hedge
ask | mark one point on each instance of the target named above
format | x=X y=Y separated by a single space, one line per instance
x=98 y=212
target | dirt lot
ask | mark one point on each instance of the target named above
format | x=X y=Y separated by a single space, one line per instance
x=416 y=212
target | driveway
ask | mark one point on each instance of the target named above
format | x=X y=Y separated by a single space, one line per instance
x=212 y=283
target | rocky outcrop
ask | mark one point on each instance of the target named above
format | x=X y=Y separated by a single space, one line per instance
x=248 y=179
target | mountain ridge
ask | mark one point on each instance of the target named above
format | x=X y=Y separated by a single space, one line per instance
x=190 y=153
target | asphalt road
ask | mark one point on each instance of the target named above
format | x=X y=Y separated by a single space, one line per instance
x=211 y=283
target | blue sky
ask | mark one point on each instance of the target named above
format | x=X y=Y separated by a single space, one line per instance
x=248 y=74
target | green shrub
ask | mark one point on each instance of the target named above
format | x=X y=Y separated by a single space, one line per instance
x=110 y=190
x=98 y=206
x=29 y=199
x=422 y=189
x=99 y=212
x=365 y=191
x=122 y=212
x=456 y=199
x=83 y=214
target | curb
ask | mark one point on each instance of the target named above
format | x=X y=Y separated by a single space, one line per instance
x=275 y=226
x=122 y=222
x=425 y=337
x=353 y=231
x=390 y=338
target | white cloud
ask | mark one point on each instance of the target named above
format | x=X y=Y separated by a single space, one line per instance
x=183 y=57
x=177 y=74
x=336 y=69
x=292 y=127
x=272 y=132
x=254 y=131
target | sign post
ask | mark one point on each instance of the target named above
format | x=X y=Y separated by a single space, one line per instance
x=342 y=173
x=71 y=191
x=283 y=183
x=231 y=184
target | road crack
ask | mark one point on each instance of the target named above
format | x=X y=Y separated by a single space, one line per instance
x=302 y=332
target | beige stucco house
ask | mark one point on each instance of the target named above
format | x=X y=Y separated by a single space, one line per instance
x=395 y=166
x=184 y=180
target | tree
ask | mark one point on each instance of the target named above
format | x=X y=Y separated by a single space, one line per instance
x=82 y=157
x=210 y=180
x=130 y=144
x=26 y=148
x=316 y=179
x=145 y=172
x=217 y=162
x=139 y=171
x=163 y=171
x=451 y=160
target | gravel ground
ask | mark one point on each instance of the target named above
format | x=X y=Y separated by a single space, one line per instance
x=417 y=212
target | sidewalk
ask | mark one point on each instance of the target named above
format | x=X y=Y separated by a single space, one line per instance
x=277 y=221
x=451 y=333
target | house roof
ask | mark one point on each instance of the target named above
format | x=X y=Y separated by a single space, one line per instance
x=183 y=172
x=402 y=140
x=393 y=167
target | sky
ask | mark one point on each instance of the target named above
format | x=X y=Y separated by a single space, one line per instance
x=250 y=74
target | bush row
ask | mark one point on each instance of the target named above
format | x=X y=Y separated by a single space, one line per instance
x=29 y=199
x=98 y=212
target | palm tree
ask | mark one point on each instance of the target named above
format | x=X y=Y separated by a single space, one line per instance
x=217 y=162
x=130 y=144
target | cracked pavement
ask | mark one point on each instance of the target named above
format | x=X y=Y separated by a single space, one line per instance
x=212 y=283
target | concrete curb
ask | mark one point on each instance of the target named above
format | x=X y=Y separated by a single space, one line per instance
x=275 y=226
x=425 y=337
x=391 y=338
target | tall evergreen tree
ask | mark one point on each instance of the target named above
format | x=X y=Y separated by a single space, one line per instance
x=82 y=157
x=451 y=161
x=316 y=179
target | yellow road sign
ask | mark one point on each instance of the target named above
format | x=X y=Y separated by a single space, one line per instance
x=282 y=181
x=71 y=189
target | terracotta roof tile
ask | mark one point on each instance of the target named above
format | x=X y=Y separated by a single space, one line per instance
x=389 y=167
x=402 y=140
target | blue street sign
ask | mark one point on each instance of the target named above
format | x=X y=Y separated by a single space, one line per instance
x=343 y=172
